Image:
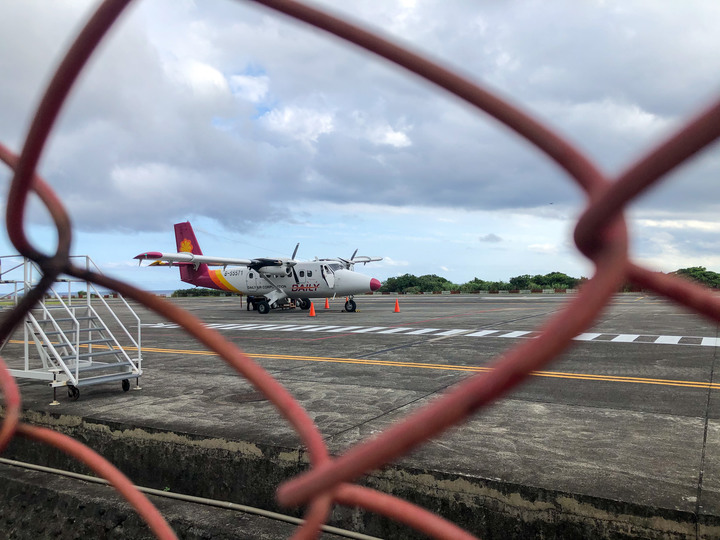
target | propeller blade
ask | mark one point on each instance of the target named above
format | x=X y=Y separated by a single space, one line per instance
x=295 y=252
x=354 y=253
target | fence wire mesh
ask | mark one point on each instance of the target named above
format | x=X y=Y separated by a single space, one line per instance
x=600 y=235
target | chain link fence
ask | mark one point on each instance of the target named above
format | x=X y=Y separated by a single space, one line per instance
x=600 y=235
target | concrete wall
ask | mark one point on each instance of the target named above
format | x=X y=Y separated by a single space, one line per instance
x=248 y=474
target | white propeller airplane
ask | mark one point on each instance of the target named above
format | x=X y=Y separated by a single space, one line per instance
x=267 y=282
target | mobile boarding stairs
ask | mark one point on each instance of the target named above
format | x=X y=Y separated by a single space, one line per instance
x=70 y=342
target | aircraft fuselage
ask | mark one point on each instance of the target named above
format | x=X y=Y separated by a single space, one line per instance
x=303 y=280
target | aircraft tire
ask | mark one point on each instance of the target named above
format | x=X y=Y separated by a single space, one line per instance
x=350 y=305
x=304 y=303
x=263 y=307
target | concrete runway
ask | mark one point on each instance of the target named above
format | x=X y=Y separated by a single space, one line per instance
x=619 y=437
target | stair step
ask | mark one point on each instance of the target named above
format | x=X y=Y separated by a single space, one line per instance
x=70 y=330
x=91 y=355
x=65 y=319
x=106 y=378
x=97 y=366
x=91 y=341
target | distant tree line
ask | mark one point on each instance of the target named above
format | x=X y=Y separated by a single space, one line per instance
x=701 y=275
x=410 y=284
x=199 y=291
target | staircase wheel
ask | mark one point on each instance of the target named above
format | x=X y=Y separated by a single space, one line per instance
x=125 y=385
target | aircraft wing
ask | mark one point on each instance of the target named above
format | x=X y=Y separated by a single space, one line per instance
x=365 y=259
x=186 y=257
x=349 y=264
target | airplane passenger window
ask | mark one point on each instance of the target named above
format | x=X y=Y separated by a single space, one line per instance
x=250 y=275
x=302 y=273
x=309 y=273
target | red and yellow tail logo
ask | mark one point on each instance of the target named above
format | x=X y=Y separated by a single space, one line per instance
x=186 y=245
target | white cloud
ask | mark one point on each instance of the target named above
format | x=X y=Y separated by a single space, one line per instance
x=305 y=125
x=391 y=137
x=548 y=249
x=205 y=81
x=622 y=118
x=251 y=88
x=190 y=109
x=149 y=183
x=677 y=224
x=389 y=261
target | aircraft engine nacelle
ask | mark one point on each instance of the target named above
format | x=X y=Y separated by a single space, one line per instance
x=274 y=269
x=272 y=266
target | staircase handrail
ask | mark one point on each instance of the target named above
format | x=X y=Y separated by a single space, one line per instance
x=136 y=342
x=56 y=356
x=117 y=348
x=61 y=332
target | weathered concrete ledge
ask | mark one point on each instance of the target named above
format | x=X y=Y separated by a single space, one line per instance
x=248 y=473
x=38 y=505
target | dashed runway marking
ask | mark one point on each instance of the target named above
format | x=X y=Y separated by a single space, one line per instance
x=587 y=337
x=369 y=329
x=668 y=340
x=481 y=333
x=643 y=339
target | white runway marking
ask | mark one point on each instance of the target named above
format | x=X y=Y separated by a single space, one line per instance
x=625 y=338
x=668 y=340
x=515 y=334
x=423 y=331
x=482 y=333
x=586 y=337
x=451 y=332
x=610 y=337
x=394 y=330
x=369 y=329
x=320 y=328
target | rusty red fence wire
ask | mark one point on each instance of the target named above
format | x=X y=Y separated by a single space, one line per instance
x=600 y=234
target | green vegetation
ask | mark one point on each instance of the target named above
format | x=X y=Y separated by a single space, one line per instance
x=700 y=274
x=199 y=291
x=409 y=283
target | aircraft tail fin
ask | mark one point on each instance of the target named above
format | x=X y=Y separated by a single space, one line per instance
x=186 y=242
x=185 y=238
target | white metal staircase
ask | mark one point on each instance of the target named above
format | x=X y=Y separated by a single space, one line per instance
x=78 y=341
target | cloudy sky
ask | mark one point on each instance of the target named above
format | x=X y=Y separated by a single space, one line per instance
x=264 y=133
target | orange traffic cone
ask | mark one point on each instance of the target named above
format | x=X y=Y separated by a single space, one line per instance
x=312 y=310
x=397 y=306
x=327 y=304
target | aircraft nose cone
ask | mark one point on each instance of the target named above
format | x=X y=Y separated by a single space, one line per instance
x=375 y=284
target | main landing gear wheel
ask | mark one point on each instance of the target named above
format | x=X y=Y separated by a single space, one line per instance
x=73 y=392
x=303 y=303
x=263 y=307
x=125 y=385
x=350 y=305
